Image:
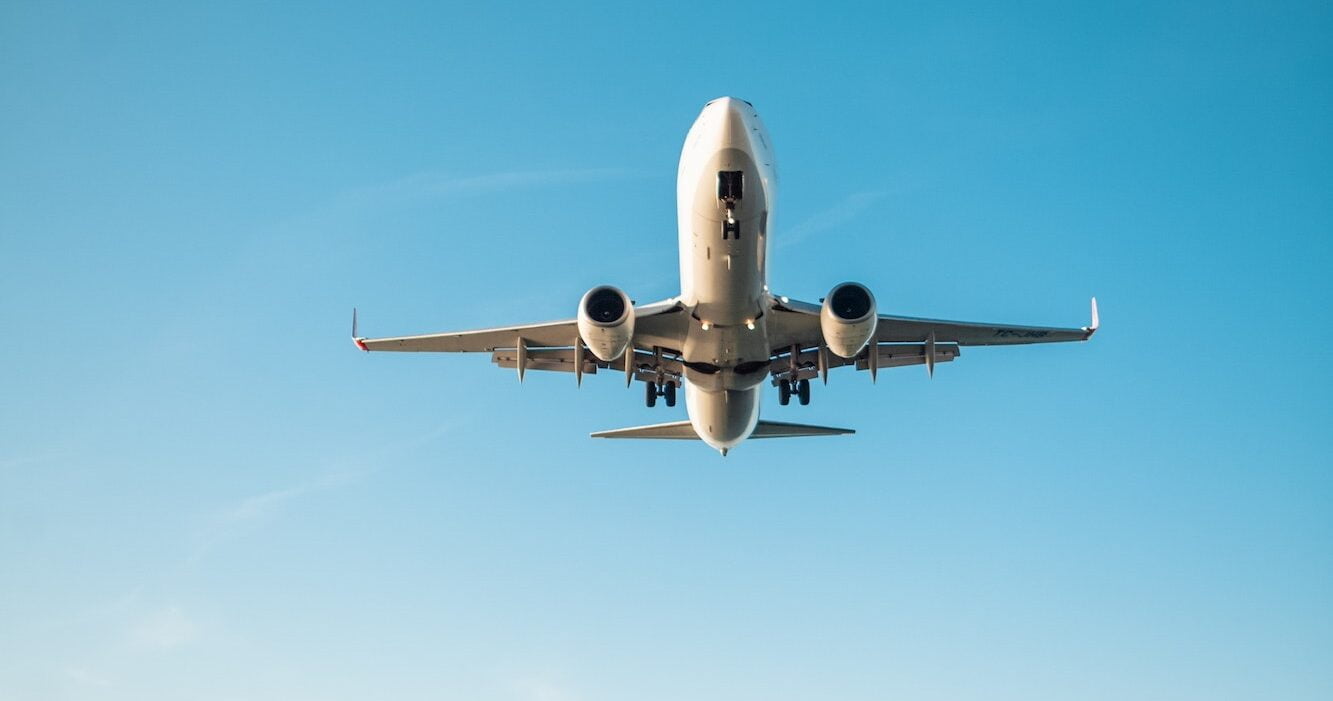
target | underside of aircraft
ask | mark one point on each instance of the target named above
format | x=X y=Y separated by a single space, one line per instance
x=726 y=334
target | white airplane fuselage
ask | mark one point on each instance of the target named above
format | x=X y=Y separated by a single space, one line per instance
x=724 y=224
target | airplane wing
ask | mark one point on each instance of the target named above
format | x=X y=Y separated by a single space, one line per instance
x=654 y=324
x=556 y=346
x=544 y=335
x=899 y=340
x=797 y=323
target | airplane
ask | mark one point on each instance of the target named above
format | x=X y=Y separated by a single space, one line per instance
x=726 y=334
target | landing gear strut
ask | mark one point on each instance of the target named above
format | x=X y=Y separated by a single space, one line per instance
x=730 y=187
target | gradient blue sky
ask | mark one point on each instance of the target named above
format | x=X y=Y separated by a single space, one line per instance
x=206 y=492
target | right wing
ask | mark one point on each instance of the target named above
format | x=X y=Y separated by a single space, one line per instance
x=897 y=329
x=797 y=323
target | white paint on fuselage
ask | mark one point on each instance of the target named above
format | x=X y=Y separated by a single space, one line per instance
x=724 y=281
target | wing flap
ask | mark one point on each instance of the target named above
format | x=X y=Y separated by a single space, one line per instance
x=562 y=360
x=891 y=355
x=897 y=355
x=549 y=359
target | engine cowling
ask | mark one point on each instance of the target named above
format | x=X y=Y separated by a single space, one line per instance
x=606 y=322
x=848 y=319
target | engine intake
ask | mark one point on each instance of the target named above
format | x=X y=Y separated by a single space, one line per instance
x=606 y=322
x=848 y=319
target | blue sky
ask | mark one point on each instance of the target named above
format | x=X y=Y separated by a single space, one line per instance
x=206 y=492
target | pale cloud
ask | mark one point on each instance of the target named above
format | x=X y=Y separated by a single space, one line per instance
x=165 y=628
x=249 y=513
x=845 y=211
x=261 y=505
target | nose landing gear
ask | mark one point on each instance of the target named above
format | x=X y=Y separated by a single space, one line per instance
x=730 y=187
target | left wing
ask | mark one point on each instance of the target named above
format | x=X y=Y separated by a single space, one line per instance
x=555 y=345
x=653 y=323
x=545 y=335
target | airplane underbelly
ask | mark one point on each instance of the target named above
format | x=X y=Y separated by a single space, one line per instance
x=724 y=237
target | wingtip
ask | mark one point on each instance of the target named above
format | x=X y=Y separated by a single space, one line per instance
x=1096 y=320
x=360 y=342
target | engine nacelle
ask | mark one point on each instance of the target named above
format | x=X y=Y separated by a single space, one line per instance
x=606 y=322
x=848 y=319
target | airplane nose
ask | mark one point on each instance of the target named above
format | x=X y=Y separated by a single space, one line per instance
x=730 y=108
x=731 y=117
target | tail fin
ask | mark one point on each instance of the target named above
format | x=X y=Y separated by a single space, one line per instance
x=682 y=430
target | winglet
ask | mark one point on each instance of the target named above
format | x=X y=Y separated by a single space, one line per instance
x=1096 y=322
x=360 y=342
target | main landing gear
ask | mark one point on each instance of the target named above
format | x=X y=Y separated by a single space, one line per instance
x=665 y=390
x=786 y=388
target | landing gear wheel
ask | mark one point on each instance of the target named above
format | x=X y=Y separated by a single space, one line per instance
x=803 y=392
x=784 y=392
x=650 y=394
x=669 y=393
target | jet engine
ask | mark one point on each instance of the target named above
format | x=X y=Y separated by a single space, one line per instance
x=606 y=322
x=848 y=319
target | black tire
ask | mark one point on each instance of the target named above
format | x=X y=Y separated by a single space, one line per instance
x=784 y=392
x=650 y=394
x=669 y=393
x=803 y=392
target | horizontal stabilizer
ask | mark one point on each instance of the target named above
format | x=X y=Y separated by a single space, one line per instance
x=682 y=430
x=676 y=430
x=782 y=429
